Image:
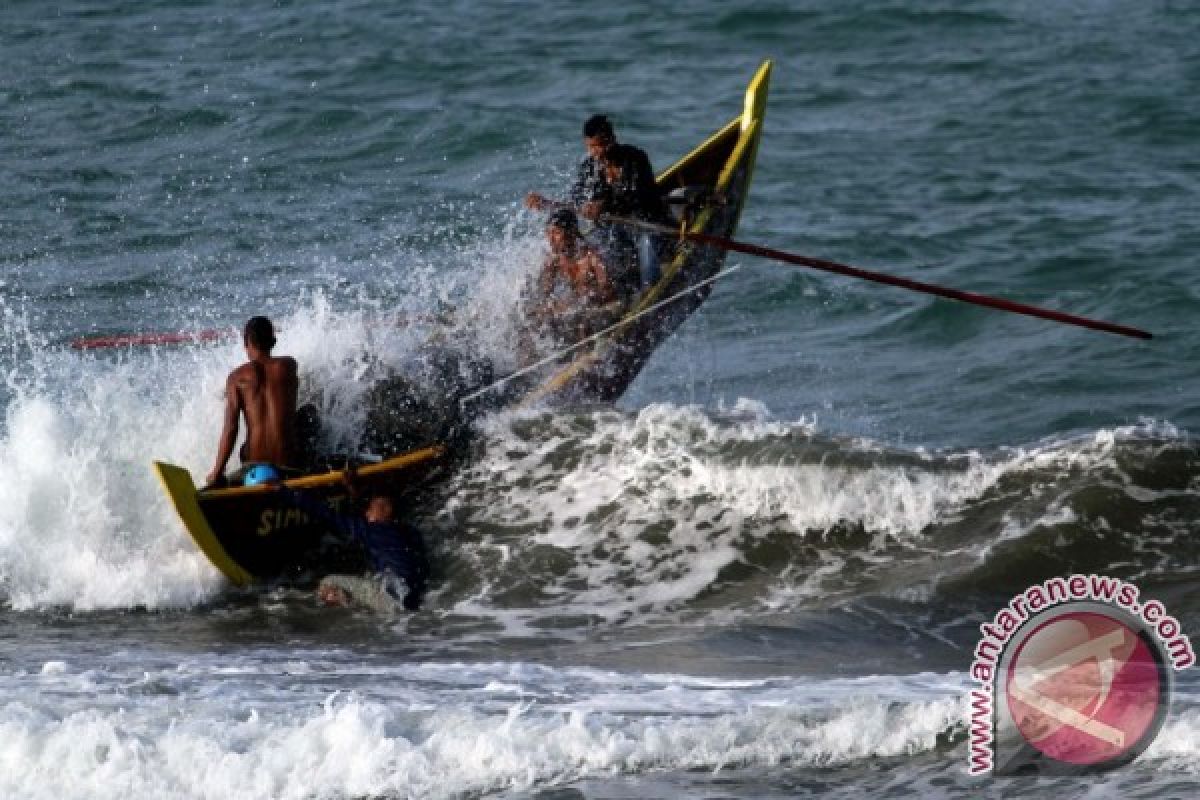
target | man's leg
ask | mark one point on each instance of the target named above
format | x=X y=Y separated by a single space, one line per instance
x=648 y=259
x=367 y=591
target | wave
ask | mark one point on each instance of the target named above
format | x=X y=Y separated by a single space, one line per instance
x=151 y=724
x=569 y=518
x=612 y=517
x=83 y=523
x=446 y=730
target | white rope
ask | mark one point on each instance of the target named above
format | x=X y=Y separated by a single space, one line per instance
x=619 y=323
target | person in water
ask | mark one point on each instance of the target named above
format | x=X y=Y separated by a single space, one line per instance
x=263 y=390
x=395 y=552
x=635 y=194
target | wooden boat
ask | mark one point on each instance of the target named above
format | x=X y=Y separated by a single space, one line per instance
x=721 y=168
x=250 y=535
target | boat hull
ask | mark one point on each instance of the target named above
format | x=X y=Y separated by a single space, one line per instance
x=251 y=535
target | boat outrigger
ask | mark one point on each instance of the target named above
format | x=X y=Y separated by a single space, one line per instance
x=251 y=536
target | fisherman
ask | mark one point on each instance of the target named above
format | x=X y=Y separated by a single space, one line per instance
x=263 y=390
x=630 y=192
x=635 y=194
x=395 y=552
x=573 y=294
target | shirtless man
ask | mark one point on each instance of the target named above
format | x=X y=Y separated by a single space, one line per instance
x=573 y=295
x=573 y=278
x=264 y=391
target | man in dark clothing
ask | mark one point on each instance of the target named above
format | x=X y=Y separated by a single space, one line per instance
x=395 y=553
x=635 y=195
x=630 y=191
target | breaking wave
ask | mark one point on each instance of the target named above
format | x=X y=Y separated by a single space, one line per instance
x=83 y=523
x=578 y=517
x=441 y=729
x=613 y=517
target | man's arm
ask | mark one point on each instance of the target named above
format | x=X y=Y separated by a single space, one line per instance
x=319 y=509
x=290 y=432
x=581 y=196
x=536 y=201
x=546 y=278
x=645 y=172
x=291 y=377
x=229 y=431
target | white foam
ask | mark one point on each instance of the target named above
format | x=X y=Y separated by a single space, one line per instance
x=1177 y=746
x=653 y=508
x=445 y=740
x=83 y=523
x=649 y=508
x=645 y=510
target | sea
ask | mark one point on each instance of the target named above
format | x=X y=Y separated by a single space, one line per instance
x=762 y=571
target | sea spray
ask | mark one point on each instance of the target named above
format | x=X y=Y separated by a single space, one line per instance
x=83 y=523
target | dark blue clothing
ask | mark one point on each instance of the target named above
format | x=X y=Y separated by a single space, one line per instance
x=389 y=546
x=635 y=195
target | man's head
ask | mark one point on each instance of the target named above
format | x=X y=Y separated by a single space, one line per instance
x=259 y=334
x=380 y=508
x=598 y=135
x=562 y=229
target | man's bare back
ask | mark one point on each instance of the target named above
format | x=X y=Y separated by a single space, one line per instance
x=266 y=393
x=263 y=390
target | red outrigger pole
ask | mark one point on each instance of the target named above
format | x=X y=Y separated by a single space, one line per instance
x=973 y=298
x=144 y=339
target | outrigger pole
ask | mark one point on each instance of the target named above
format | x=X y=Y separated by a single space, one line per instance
x=152 y=339
x=973 y=298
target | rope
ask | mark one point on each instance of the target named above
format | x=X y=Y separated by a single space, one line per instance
x=619 y=323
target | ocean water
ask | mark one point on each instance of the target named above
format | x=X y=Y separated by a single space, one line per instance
x=761 y=573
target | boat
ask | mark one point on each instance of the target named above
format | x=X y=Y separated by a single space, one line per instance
x=252 y=536
x=720 y=169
